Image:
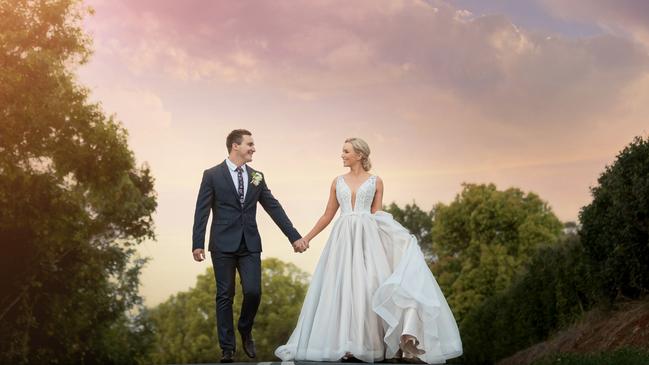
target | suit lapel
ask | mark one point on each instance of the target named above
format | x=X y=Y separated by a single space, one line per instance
x=228 y=179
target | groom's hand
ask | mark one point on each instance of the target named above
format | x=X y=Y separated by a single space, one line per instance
x=199 y=254
x=299 y=245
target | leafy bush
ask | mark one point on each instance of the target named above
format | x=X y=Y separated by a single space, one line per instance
x=615 y=226
x=185 y=324
x=483 y=238
x=554 y=291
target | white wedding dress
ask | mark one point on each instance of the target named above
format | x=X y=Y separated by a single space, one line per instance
x=370 y=287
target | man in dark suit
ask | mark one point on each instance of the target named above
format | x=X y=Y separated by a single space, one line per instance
x=231 y=191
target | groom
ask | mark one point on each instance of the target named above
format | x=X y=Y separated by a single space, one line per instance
x=231 y=191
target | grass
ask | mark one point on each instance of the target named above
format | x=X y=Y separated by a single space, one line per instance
x=625 y=356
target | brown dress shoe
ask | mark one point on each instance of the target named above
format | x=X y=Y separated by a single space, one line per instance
x=248 y=345
x=228 y=356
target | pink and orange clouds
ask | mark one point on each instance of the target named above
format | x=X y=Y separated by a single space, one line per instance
x=442 y=95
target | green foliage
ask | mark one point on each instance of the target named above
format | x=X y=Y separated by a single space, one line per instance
x=561 y=282
x=185 y=324
x=73 y=203
x=553 y=291
x=615 y=226
x=624 y=356
x=483 y=238
x=417 y=222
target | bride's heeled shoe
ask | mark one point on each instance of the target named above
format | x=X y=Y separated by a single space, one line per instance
x=409 y=350
x=349 y=357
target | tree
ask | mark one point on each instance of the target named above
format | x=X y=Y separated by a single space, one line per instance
x=615 y=225
x=185 y=324
x=482 y=239
x=553 y=291
x=74 y=205
x=418 y=222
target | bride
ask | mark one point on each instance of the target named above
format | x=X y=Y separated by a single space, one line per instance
x=371 y=296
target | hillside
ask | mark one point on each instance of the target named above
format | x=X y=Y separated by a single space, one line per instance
x=626 y=325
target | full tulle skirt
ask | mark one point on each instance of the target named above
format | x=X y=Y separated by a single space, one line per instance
x=370 y=287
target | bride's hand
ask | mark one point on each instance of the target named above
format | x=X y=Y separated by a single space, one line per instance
x=300 y=245
x=304 y=243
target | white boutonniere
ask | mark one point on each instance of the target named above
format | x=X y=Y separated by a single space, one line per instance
x=256 y=178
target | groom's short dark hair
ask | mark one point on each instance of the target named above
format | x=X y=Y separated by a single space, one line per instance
x=236 y=136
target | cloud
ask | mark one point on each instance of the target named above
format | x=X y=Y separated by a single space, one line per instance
x=312 y=49
x=138 y=109
x=623 y=16
x=480 y=90
x=144 y=115
x=441 y=95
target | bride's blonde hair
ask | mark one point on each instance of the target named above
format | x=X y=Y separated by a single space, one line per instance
x=363 y=149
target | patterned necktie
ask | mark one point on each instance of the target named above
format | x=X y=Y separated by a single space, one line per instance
x=240 y=176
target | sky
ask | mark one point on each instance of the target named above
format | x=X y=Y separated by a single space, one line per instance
x=540 y=95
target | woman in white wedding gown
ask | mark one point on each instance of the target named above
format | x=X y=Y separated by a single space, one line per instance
x=371 y=295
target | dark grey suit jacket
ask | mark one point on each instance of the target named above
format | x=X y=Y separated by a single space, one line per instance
x=231 y=221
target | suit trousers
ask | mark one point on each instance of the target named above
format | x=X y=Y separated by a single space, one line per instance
x=225 y=266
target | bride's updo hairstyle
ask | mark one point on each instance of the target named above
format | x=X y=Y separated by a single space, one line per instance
x=363 y=149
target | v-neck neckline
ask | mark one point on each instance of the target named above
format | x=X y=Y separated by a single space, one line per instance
x=354 y=195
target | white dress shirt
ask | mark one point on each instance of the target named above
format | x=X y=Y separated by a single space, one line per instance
x=235 y=176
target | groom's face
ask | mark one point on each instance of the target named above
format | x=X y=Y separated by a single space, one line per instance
x=246 y=148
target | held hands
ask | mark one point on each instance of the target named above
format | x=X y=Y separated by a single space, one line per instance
x=300 y=245
x=199 y=254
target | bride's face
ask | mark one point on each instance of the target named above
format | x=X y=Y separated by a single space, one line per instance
x=349 y=156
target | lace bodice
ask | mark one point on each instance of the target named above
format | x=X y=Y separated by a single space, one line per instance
x=364 y=195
